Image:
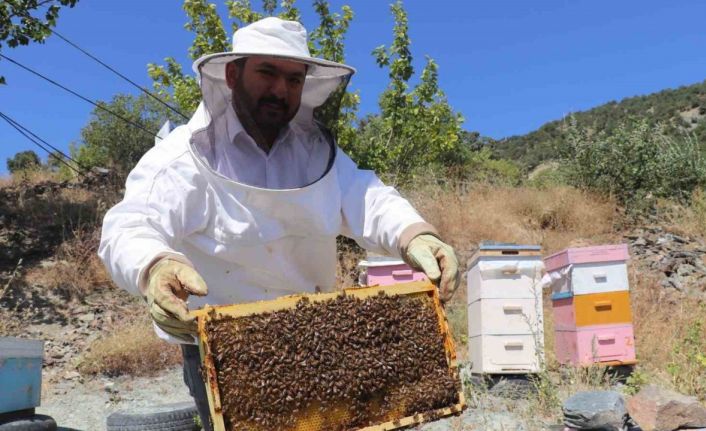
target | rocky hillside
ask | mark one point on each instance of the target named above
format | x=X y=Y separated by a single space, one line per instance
x=679 y=110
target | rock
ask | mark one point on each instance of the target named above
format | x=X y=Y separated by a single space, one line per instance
x=677 y=238
x=658 y=409
x=72 y=375
x=87 y=317
x=603 y=410
x=674 y=282
x=685 y=270
x=640 y=242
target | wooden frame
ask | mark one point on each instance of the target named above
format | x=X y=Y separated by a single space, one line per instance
x=415 y=288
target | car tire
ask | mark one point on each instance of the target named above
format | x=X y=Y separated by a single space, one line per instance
x=167 y=417
x=30 y=423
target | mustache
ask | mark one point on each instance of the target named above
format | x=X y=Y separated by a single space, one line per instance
x=274 y=101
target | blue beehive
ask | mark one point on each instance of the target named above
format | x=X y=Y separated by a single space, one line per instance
x=20 y=373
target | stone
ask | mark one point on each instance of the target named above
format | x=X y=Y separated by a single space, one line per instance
x=640 y=242
x=87 y=317
x=71 y=375
x=603 y=410
x=686 y=270
x=677 y=238
x=658 y=409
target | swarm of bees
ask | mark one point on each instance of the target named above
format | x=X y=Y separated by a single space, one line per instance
x=377 y=358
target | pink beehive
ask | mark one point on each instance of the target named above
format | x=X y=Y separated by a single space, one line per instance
x=387 y=271
x=591 y=305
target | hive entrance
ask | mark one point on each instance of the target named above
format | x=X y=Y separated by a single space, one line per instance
x=338 y=364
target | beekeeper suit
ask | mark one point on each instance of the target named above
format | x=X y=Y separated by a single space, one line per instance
x=245 y=201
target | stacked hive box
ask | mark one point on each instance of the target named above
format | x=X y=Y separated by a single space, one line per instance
x=20 y=374
x=505 y=309
x=385 y=271
x=591 y=304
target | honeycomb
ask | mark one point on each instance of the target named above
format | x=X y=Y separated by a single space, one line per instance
x=339 y=364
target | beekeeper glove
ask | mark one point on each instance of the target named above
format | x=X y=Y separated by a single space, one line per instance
x=170 y=284
x=438 y=261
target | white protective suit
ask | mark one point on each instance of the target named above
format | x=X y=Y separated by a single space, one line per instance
x=249 y=243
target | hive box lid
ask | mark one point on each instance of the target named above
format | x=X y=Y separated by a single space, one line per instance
x=11 y=347
x=492 y=250
x=500 y=246
x=600 y=253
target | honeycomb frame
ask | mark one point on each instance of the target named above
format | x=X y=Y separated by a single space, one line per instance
x=209 y=313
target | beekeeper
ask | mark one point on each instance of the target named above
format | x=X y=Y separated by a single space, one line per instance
x=244 y=202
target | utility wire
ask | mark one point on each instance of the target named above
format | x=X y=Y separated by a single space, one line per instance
x=97 y=105
x=93 y=57
x=8 y=118
x=20 y=128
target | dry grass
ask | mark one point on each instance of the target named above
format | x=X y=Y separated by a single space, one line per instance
x=32 y=176
x=689 y=219
x=76 y=270
x=554 y=217
x=670 y=335
x=131 y=349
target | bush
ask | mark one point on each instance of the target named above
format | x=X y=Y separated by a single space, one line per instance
x=133 y=350
x=637 y=163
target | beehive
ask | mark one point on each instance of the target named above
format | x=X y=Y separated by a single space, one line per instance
x=330 y=391
x=591 y=305
x=384 y=271
x=505 y=329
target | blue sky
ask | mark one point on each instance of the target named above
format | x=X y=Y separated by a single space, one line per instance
x=508 y=66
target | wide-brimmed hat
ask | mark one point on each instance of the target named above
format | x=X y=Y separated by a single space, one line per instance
x=273 y=37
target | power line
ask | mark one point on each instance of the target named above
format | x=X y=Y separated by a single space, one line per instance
x=7 y=117
x=138 y=86
x=17 y=126
x=97 y=105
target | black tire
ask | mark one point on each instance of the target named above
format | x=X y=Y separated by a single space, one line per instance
x=167 y=417
x=30 y=423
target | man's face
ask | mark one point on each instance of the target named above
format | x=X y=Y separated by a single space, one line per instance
x=267 y=89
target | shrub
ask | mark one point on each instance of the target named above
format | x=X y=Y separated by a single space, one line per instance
x=132 y=349
x=637 y=163
x=77 y=270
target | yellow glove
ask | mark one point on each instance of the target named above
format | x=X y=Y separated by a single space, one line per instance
x=438 y=261
x=170 y=284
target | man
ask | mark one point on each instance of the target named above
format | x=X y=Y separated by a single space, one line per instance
x=244 y=203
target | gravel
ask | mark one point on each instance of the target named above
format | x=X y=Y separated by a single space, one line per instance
x=76 y=404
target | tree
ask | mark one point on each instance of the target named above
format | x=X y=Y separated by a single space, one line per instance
x=23 y=161
x=417 y=127
x=326 y=41
x=21 y=21
x=108 y=141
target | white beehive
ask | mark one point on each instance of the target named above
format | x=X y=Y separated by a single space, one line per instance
x=505 y=318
